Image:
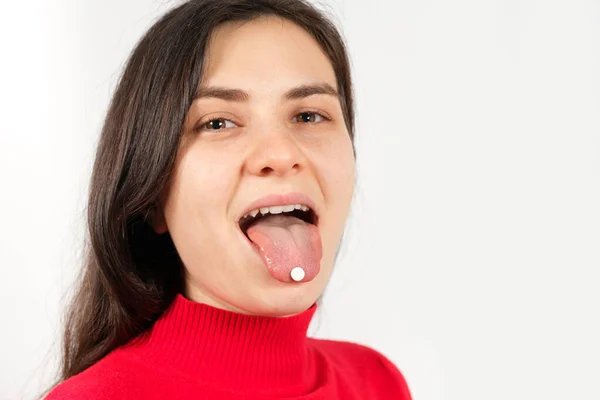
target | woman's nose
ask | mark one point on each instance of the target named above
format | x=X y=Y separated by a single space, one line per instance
x=276 y=153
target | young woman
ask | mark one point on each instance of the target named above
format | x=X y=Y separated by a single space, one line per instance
x=221 y=186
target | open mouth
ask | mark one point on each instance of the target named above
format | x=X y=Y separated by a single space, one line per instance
x=287 y=239
x=299 y=211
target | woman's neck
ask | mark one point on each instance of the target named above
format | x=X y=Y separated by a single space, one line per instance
x=226 y=347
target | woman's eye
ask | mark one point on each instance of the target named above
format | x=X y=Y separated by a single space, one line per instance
x=309 y=117
x=218 y=124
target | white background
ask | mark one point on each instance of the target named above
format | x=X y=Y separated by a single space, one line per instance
x=473 y=249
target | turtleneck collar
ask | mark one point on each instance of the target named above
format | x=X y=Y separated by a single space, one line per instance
x=227 y=348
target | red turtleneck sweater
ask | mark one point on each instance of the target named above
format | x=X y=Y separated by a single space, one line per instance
x=196 y=351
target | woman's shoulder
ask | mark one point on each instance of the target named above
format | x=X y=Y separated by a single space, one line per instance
x=106 y=379
x=363 y=362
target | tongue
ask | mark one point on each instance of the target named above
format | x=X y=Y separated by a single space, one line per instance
x=286 y=242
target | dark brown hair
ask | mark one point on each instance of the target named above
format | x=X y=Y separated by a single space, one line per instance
x=131 y=274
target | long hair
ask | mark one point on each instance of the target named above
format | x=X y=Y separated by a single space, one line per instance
x=130 y=274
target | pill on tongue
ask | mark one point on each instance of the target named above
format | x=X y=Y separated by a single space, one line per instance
x=297 y=274
x=286 y=242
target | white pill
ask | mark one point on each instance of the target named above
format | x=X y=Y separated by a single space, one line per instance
x=297 y=274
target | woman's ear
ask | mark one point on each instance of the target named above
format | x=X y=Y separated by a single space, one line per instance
x=156 y=219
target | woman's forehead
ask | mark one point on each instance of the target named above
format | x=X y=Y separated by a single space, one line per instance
x=265 y=54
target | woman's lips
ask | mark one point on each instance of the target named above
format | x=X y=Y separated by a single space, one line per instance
x=280 y=200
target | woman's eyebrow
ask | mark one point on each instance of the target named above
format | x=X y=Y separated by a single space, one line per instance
x=303 y=91
x=238 y=95
x=222 y=93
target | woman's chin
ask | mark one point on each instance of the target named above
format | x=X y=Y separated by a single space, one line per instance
x=283 y=299
x=259 y=293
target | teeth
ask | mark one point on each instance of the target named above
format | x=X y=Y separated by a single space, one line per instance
x=276 y=210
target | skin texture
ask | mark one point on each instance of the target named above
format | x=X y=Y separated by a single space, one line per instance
x=260 y=146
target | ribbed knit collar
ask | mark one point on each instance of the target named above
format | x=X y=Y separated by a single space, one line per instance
x=237 y=350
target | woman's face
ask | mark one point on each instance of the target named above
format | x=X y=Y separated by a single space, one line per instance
x=265 y=131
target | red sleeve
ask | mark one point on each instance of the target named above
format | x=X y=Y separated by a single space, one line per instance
x=65 y=391
x=394 y=380
x=91 y=384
